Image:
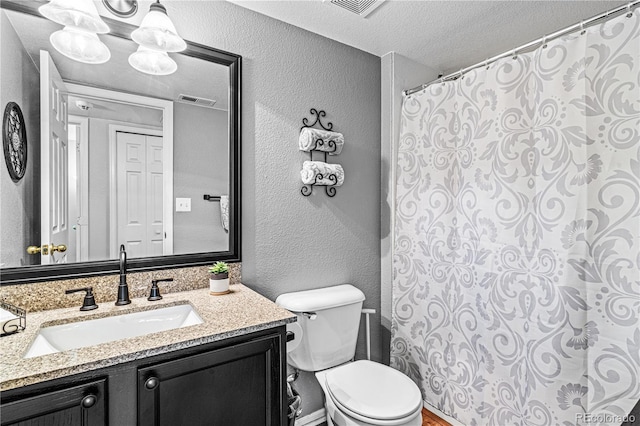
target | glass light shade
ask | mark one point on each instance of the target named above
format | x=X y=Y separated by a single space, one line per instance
x=158 y=32
x=152 y=62
x=80 y=45
x=75 y=13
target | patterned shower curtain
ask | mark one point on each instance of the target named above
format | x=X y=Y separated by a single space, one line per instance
x=516 y=293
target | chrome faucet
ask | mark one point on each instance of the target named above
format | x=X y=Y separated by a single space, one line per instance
x=123 y=288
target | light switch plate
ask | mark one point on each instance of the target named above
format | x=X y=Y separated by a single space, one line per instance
x=183 y=204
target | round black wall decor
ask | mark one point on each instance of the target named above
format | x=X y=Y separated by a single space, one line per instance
x=14 y=141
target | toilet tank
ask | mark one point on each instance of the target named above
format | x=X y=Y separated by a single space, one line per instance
x=327 y=327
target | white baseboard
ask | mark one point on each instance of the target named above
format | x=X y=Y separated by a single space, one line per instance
x=314 y=419
x=442 y=415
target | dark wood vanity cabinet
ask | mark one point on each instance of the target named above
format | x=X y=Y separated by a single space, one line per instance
x=232 y=386
x=237 y=381
x=76 y=405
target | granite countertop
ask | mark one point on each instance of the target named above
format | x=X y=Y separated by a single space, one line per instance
x=240 y=312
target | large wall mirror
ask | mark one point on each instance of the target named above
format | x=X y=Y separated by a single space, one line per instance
x=117 y=156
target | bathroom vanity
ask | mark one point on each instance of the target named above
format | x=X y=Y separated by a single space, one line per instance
x=228 y=370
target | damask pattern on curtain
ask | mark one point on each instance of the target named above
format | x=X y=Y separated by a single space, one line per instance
x=516 y=294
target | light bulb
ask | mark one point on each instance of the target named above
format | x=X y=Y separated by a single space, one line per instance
x=75 y=13
x=152 y=62
x=158 y=32
x=80 y=45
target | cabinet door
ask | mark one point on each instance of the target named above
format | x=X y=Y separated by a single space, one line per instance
x=82 y=405
x=238 y=385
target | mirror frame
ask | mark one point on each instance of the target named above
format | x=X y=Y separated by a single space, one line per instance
x=31 y=274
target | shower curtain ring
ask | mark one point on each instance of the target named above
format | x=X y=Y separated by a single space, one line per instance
x=629 y=12
x=486 y=63
x=582 y=30
x=515 y=54
x=544 y=41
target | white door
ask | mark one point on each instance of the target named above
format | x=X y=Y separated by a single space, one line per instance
x=140 y=193
x=54 y=152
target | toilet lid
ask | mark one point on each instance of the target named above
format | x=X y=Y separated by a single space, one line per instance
x=373 y=391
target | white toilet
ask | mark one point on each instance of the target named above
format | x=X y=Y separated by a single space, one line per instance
x=357 y=393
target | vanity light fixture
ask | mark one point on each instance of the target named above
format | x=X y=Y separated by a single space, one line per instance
x=79 y=45
x=157 y=32
x=78 y=40
x=152 y=62
x=121 y=8
x=81 y=14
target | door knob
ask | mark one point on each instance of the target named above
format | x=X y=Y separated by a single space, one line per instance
x=46 y=249
x=59 y=248
x=33 y=249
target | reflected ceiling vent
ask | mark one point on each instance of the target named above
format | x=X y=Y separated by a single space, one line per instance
x=195 y=100
x=359 y=7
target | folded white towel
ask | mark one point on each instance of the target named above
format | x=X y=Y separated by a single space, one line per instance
x=320 y=140
x=224 y=212
x=319 y=173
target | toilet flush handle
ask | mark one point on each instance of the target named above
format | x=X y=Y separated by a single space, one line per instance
x=311 y=315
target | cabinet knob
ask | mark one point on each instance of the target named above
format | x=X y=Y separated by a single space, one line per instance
x=89 y=401
x=151 y=383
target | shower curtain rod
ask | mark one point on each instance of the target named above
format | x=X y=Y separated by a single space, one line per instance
x=541 y=40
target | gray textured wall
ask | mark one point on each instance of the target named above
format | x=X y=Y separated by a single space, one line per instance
x=201 y=166
x=291 y=242
x=20 y=205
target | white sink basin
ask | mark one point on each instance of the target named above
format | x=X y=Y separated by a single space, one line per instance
x=81 y=334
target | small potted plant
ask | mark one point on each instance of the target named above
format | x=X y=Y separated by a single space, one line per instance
x=219 y=279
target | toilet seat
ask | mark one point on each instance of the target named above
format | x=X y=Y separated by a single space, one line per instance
x=373 y=393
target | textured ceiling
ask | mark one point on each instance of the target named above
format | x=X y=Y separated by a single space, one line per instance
x=444 y=35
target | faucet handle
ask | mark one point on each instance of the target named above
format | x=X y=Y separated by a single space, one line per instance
x=89 y=302
x=155 y=290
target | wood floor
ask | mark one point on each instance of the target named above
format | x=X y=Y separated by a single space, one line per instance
x=430 y=419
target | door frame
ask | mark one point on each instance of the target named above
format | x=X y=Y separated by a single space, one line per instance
x=167 y=152
x=167 y=190
x=82 y=163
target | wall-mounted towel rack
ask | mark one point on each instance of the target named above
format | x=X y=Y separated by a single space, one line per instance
x=212 y=198
x=320 y=145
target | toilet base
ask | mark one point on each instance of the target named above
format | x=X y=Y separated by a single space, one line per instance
x=335 y=417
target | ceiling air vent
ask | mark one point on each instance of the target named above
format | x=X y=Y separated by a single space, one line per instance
x=359 y=7
x=195 y=100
